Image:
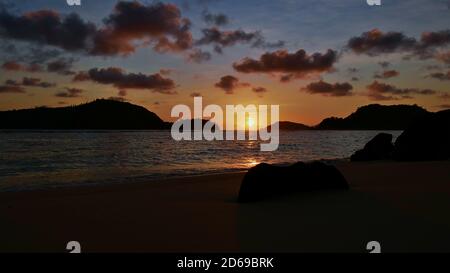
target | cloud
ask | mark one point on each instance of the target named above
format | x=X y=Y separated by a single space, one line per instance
x=432 y=67
x=37 y=54
x=261 y=43
x=35 y=82
x=329 y=89
x=387 y=74
x=130 y=25
x=440 y=76
x=259 y=90
x=47 y=27
x=384 y=64
x=229 y=84
x=434 y=39
x=225 y=38
x=11 y=89
x=199 y=56
x=70 y=93
x=27 y=54
x=382 y=91
x=122 y=80
x=352 y=70
x=218 y=19
x=30 y=82
x=290 y=65
x=159 y=24
x=221 y=39
x=15 y=66
x=12 y=83
x=81 y=77
x=287 y=77
x=376 y=42
x=7 y=4
x=61 y=66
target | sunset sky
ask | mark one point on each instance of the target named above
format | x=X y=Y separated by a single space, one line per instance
x=314 y=58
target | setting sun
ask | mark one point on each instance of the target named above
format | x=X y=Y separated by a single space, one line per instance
x=251 y=123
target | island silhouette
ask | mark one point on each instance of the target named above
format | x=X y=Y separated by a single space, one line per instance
x=101 y=114
x=107 y=114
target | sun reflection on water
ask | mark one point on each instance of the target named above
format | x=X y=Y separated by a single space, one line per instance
x=249 y=163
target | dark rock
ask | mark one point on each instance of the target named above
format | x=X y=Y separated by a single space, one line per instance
x=378 y=148
x=426 y=139
x=265 y=180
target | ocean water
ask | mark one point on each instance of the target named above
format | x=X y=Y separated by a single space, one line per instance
x=41 y=159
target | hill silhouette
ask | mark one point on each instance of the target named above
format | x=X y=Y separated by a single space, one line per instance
x=376 y=117
x=105 y=114
x=291 y=126
x=100 y=114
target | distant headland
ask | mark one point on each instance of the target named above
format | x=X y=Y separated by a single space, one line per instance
x=100 y=114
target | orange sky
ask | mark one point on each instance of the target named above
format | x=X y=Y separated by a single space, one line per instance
x=415 y=69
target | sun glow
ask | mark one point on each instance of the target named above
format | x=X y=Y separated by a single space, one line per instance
x=251 y=163
x=251 y=123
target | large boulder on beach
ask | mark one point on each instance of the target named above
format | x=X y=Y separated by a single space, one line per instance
x=428 y=138
x=378 y=148
x=265 y=180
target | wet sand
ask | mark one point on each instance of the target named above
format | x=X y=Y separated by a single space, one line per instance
x=404 y=206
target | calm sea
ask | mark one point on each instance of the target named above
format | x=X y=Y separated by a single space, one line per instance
x=39 y=159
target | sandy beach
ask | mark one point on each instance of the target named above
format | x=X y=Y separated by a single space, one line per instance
x=404 y=206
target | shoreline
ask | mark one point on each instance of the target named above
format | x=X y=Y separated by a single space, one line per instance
x=116 y=182
x=401 y=204
x=142 y=178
